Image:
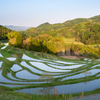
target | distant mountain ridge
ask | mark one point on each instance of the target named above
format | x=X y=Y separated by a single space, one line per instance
x=47 y=26
x=17 y=28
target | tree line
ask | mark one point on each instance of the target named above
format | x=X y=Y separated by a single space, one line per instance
x=53 y=45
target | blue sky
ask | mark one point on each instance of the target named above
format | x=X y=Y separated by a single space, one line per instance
x=35 y=12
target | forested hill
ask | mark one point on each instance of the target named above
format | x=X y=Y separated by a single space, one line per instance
x=84 y=30
x=3 y=32
x=46 y=26
x=95 y=18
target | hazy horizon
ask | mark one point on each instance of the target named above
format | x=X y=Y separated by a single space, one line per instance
x=32 y=13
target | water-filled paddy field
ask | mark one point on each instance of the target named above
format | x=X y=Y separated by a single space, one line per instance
x=32 y=72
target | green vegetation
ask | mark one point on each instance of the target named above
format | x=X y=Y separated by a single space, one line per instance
x=46 y=26
x=3 y=32
x=86 y=32
x=72 y=37
x=64 y=29
x=54 y=45
x=15 y=39
x=31 y=32
x=8 y=93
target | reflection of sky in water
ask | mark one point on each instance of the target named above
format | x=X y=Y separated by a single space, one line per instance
x=64 y=62
x=90 y=97
x=1 y=64
x=6 y=44
x=11 y=59
x=66 y=67
x=88 y=73
x=4 y=47
x=23 y=63
x=31 y=68
x=29 y=58
x=55 y=63
x=95 y=66
x=47 y=68
x=1 y=55
x=98 y=75
x=72 y=88
x=10 y=76
x=26 y=75
x=3 y=79
x=16 y=67
x=50 y=61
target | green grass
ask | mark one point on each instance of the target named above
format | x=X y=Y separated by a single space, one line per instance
x=11 y=95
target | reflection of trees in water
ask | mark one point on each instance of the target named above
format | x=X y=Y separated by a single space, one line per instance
x=87 y=74
x=46 y=90
x=48 y=77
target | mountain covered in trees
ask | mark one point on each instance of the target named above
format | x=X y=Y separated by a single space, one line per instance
x=3 y=32
x=84 y=30
x=46 y=26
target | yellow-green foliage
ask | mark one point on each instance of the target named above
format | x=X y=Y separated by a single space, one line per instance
x=15 y=38
x=85 y=49
x=31 y=32
x=3 y=32
x=49 y=44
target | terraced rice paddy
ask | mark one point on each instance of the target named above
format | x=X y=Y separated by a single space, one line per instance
x=32 y=72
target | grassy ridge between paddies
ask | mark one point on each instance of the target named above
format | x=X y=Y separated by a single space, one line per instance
x=6 y=94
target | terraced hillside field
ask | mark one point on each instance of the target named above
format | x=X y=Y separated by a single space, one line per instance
x=35 y=72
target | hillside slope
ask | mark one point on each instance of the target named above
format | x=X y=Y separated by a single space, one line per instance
x=68 y=29
x=47 y=26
